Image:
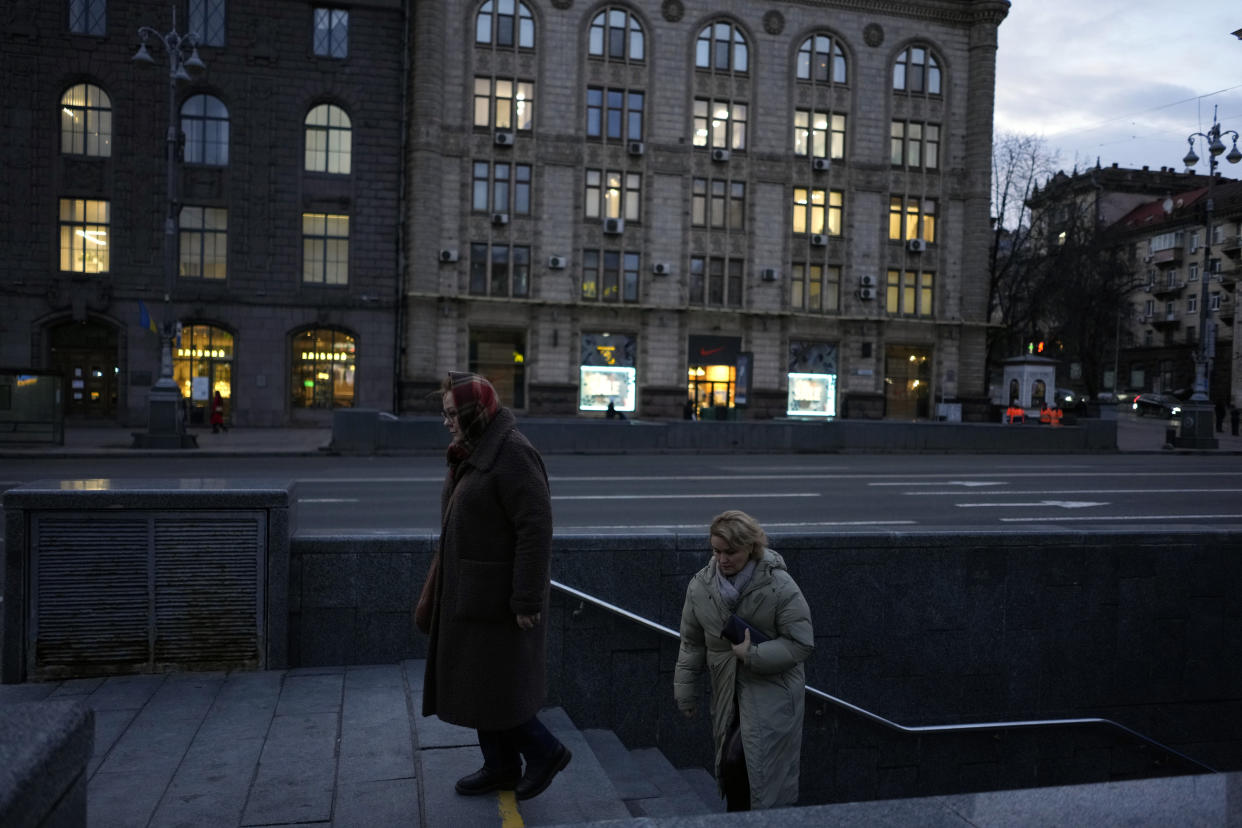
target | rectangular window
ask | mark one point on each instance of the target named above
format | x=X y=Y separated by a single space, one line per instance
x=610 y=275
x=500 y=188
x=84 y=235
x=203 y=243
x=615 y=114
x=719 y=124
x=819 y=134
x=613 y=194
x=207 y=21
x=502 y=103
x=88 y=17
x=1192 y=273
x=915 y=145
x=912 y=218
x=1214 y=301
x=814 y=287
x=909 y=293
x=817 y=211
x=325 y=249
x=718 y=203
x=499 y=270
x=716 y=281
x=332 y=33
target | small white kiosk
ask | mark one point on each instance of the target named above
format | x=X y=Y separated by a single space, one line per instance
x=1031 y=380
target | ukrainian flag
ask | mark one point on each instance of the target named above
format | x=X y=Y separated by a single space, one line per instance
x=144 y=318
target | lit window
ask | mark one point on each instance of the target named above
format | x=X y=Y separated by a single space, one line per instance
x=719 y=124
x=88 y=17
x=616 y=34
x=917 y=70
x=86 y=121
x=499 y=270
x=205 y=122
x=912 y=218
x=908 y=293
x=207 y=21
x=915 y=145
x=84 y=235
x=324 y=369
x=817 y=211
x=203 y=243
x=815 y=287
x=613 y=194
x=721 y=47
x=505 y=23
x=821 y=59
x=819 y=134
x=328 y=140
x=501 y=103
x=332 y=33
x=325 y=249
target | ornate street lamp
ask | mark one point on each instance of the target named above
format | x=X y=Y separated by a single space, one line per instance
x=1198 y=416
x=165 y=421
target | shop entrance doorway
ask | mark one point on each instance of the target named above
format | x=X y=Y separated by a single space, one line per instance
x=907 y=382
x=84 y=353
x=501 y=357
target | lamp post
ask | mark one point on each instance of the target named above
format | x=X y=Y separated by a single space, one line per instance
x=165 y=423
x=1198 y=416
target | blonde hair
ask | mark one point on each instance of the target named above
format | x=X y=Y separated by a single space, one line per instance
x=740 y=531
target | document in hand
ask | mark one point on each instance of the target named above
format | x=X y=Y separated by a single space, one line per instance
x=735 y=631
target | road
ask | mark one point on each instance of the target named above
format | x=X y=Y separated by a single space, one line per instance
x=785 y=492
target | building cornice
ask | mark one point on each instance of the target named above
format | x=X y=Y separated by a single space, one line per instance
x=961 y=12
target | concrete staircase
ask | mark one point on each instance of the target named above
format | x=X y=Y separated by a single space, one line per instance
x=605 y=780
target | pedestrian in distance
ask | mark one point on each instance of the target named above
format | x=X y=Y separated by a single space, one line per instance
x=746 y=623
x=487 y=653
x=1220 y=415
x=612 y=413
x=217 y=414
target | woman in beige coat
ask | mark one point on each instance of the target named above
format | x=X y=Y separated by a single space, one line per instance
x=762 y=685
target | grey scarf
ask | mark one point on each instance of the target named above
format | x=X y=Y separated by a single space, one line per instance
x=731 y=587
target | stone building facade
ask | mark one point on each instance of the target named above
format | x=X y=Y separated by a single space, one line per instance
x=770 y=208
x=288 y=185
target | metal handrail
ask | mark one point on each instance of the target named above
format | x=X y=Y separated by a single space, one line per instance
x=875 y=717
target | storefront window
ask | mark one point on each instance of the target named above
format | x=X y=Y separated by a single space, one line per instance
x=812 y=379
x=606 y=373
x=324 y=369
x=712 y=374
x=203 y=365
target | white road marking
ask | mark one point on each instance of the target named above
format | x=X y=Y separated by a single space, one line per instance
x=967 y=483
x=697 y=496
x=1122 y=518
x=327 y=500
x=1064 y=504
x=701 y=526
x=1087 y=491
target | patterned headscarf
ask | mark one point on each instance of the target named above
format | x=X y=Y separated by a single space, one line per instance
x=477 y=403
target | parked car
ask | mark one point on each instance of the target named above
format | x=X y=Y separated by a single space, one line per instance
x=1156 y=405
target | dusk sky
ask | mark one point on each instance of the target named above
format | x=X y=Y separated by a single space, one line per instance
x=1122 y=80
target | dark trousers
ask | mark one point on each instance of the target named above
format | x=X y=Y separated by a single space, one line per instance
x=503 y=749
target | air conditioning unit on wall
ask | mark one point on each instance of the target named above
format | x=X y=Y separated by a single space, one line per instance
x=448 y=254
x=916 y=245
x=720 y=155
x=500 y=218
x=866 y=280
x=661 y=268
x=556 y=262
x=769 y=274
x=635 y=148
x=866 y=293
x=819 y=240
x=504 y=139
x=613 y=226
x=820 y=164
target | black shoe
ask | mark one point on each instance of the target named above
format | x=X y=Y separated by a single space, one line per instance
x=486 y=780
x=539 y=776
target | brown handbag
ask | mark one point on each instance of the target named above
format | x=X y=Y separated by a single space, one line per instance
x=427 y=599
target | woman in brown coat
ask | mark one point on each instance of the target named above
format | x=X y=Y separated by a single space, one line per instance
x=486 y=660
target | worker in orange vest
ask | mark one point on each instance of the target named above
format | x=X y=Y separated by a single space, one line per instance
x=1045 y=415
x=1015 y=413
x=1057 y=413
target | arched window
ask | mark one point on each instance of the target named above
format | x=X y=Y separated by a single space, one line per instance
x=506 y=23
x=722 y=47
x=324 y=369
x=205 y=122
x=203 y=365
x=616 y=34
x=821 y=60
x=86 y=121
x=328 y=140
x=917 y=70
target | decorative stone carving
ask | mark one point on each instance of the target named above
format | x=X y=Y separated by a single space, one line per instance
x=774 y=22
x=873 y=34
x=673 y=10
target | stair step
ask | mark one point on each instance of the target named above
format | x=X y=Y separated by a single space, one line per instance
x=629 y=780
x=704 y=784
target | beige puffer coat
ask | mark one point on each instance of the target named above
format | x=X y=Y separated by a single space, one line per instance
x=770 y=685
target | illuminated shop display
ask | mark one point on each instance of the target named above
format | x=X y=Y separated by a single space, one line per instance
x=606 y=373
x=812 y=395
x=324 y=369
x=812 y=379
x=203 y=365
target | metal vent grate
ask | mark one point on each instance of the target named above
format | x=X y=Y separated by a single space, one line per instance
x=145 y=592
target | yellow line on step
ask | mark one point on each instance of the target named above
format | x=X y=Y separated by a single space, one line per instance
x=510 y=817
